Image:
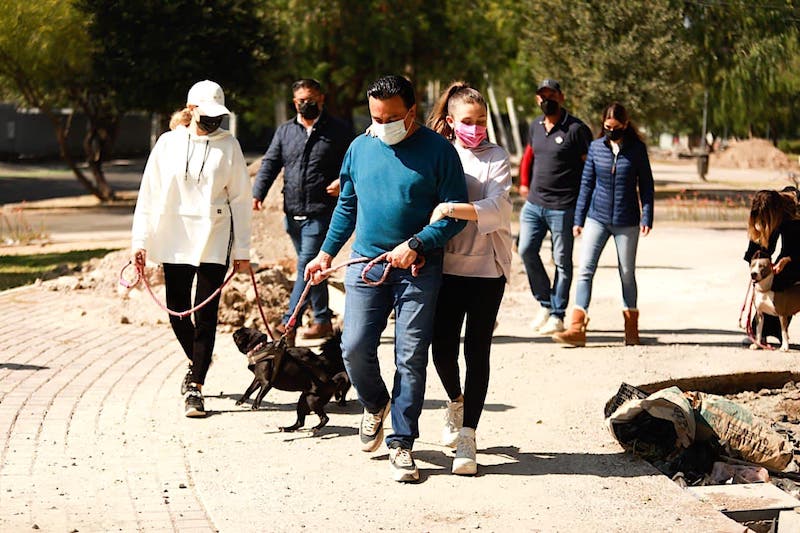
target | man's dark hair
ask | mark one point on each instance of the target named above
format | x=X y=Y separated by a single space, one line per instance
x=306 y=83
x=391 y=86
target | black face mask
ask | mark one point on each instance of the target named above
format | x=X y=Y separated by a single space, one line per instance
x=309 y=109
x=614 y=135
x=549 y=107
x=209 y=124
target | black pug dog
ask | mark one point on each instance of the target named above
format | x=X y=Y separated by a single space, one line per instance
x=317 y=376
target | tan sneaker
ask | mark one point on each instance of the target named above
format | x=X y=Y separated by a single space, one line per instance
x=465 y=462
x=371 y=429
x=402 y=464
x=453 y=419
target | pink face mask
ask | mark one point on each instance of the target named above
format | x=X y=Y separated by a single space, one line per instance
x=470 y=135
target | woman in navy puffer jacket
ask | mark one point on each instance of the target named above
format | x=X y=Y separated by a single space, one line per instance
x=616 y=179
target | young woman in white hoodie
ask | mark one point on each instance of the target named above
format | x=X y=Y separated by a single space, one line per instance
x=193 y=216
x=477 y=266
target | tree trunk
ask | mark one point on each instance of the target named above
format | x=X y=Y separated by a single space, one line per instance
x=101 y=134
x=97 y=144
x=62 y=130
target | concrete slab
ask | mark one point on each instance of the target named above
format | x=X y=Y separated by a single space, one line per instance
x=746 y=502
x=789 y=521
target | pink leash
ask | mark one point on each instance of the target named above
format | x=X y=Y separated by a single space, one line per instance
x=182 y=314
x=291 y=323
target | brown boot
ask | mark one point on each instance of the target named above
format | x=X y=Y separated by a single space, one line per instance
x=575 y=335
x=318 y=330
x=631 y=326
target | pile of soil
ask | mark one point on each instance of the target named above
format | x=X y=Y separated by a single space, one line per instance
x=753 y=153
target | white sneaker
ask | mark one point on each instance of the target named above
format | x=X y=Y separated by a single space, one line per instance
x=553 y=325
x=541 y=319
x=465 y=462
x=402 y=464
x=453 y=419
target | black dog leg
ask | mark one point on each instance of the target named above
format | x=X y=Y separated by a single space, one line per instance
x=260 y=396
x=302 y=411
x=250 y=390
x=316 y=404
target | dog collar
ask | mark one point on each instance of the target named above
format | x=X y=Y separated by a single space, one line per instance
x=254 y=357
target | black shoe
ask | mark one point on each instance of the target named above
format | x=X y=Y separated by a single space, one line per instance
x=193 y=401
x=187 y=379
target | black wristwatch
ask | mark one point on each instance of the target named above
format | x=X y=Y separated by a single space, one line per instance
x=415 y=244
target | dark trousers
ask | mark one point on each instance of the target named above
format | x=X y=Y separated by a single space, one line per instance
x=196 y=338
x=477 y=300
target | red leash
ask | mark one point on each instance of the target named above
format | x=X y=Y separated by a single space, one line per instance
x=749 y=326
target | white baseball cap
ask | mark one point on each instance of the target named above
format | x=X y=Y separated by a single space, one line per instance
x=208 y=97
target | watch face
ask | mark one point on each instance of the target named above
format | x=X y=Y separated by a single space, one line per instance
x=414 y=243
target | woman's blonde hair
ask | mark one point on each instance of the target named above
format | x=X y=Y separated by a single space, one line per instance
x=767 y=212
x=181 y=117
x=458 y=92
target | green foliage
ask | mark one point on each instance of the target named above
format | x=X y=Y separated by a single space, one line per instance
x=17 y=270
x=790 y=146
x=347 y=45
x=43 y=51
x=747 y=64
x=150 y=52
x=631 y=52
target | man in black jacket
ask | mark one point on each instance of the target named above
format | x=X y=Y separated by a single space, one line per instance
x=309 y=149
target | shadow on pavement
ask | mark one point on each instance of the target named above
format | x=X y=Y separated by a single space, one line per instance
x=441 y=404
x=608 y=339
x=17 y=366
x=534 y=463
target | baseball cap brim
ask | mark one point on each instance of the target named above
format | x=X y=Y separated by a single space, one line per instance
x=549 y=84
x=212 y=109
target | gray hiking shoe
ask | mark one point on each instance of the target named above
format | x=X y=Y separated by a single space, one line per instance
x=402 y=464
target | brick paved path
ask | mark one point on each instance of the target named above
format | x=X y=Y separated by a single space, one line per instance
x=84 y=441
x=93 y=437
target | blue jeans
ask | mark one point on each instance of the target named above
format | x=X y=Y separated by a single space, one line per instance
x=307 y=237
x=534 y=222
x=366 y=312
x=595 y=236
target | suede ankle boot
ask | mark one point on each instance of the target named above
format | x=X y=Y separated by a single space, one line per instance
x=631 y=326
x=575 y=335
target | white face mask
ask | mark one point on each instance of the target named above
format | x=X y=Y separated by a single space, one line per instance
x=390 y=133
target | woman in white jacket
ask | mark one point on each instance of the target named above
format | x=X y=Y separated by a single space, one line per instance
x=193 y=216
x=477 y=266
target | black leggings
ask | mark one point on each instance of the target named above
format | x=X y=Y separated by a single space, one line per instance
x=196 y=339
x=479 y=300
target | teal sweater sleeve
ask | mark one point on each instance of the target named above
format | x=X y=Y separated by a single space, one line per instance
x=389 y=192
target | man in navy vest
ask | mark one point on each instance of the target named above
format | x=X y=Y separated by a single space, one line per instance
x=550 y=177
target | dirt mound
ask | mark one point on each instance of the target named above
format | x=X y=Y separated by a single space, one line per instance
x=753 y=153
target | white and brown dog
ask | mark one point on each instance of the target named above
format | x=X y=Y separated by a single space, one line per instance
x=782 y=304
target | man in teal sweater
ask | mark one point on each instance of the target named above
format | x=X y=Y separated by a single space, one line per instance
x=391 y=180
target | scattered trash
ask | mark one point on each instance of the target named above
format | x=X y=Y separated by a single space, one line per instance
x=697 y=438
x=744 y=433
